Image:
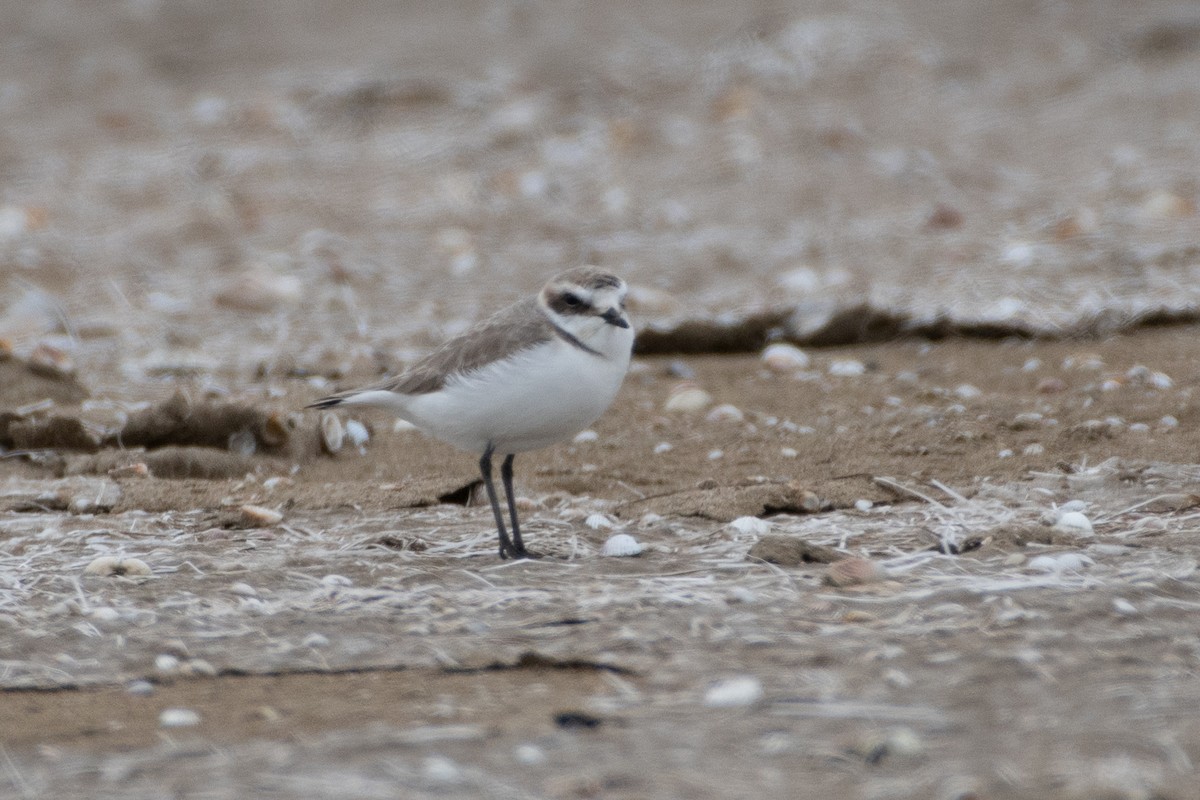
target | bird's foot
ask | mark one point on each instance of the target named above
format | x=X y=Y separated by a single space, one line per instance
x=518 y=553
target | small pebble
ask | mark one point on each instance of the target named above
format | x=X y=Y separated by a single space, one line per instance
x=1169 y=422
x=529 y=755
x=336 y=580
x=863 y=504
x=734 y=692
x=621 y=545
x=140 y=688
x=178 y=718
x=104 y=614
x=663 y=447
x=259 y=517
x=966 y=391
x=713 y=455
x=852 y=571
x=788 y=452
x=783 y=357
x=583 y=437
x=440 y=769
x=1035 y=449
x=847 y=368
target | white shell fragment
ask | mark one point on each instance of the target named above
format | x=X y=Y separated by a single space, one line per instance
x=259 y=517
x=621 y=545
x=687 y=397
x=583 y=437
x=751 y=526
x=847 y=368
x=726 y=413
x=783 y=357
x=112 y=566
x=357 y=435
x=1074 y=522
x=598 y=521
x=178 y=718
x=333 y=435
x=735 y=692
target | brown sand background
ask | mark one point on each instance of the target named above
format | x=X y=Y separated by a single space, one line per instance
x=243 y=206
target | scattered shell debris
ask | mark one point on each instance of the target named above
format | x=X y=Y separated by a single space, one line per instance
x=687 y=397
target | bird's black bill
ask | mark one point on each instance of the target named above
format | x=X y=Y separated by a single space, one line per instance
x=613 y=317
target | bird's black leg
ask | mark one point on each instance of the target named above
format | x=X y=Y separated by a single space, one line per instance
x=506 y=476
x=485 y=467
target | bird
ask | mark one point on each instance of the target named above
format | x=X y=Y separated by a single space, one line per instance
x=535 y=373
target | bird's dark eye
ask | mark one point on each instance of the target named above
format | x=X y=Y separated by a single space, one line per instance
x=572 y=299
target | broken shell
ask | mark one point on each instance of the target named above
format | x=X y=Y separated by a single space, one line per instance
x=111 y=566
x=783 y=357
x=259 y=517
x=357 y=434
x=852 y=572
x=583 y=437
x=621 y=544
x=332 y=433
x=734 y=692
x=178 y=718
x=726 y=413
x=687 y=396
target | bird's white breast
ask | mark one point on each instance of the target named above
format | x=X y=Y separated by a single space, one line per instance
x=532 y=399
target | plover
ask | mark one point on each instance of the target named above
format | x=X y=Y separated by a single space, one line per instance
x=536 y=373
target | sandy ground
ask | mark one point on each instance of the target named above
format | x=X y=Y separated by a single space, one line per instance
x=859 y=576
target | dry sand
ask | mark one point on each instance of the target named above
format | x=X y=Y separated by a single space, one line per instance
x=213 y=213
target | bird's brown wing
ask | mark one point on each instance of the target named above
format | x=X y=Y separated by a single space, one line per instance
x=518 y=327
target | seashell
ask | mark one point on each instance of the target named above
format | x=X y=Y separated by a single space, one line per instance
x=1035 y=449
x=687 y=397
x=1124 y=607
x=178 y=718
x=336 y=580
x=104 y=614
x=110 y=566
x=333 y=435
x=853 y=572
x=1026 y=421
x=847 y=368
x=621 y=544
x=734 y=692
x=598 y=521
x=140 y=688
x=243 y=589
x=259 y=517
x=1083 y=361
x=402 y=426
x=784 y=357
x=1075 y=523
x=789 y=452
x=583 y=437
x=357 y=435
x=863 y=504
x=1062 y=562
x=726 y=413
x=663 y=447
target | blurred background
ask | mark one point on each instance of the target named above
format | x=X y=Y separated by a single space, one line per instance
x=204 y=185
